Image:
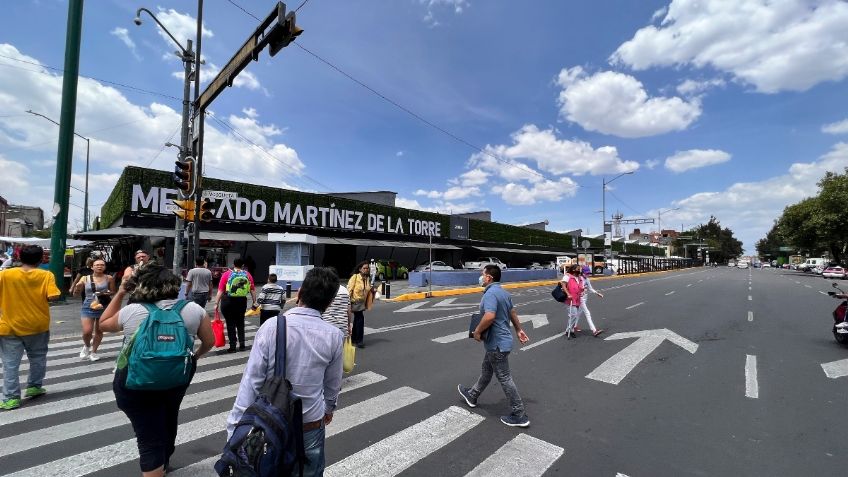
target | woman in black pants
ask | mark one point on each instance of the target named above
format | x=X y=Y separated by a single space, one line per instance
x=234 y=287
x=154 y=414
x=359 y=287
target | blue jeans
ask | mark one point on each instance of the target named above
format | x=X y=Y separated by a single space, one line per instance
x=313 y=445
x=12 y=349
x=497 y=363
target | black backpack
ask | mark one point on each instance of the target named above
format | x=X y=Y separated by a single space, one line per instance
x=268 y=439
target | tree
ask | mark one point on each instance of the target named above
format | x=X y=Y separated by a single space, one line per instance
x=720 y=241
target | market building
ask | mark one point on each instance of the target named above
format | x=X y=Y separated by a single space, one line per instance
x=335 y=229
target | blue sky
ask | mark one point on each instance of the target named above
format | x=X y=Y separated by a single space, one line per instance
x=732 y=109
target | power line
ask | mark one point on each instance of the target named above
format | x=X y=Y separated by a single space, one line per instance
x=301 y=5
x=163 y=146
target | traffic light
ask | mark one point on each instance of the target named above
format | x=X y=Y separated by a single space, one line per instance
x=185 y=209
x=284 y=32
x=184 y=175
x=206 y=212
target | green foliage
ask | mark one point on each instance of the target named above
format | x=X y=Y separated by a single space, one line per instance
x=720 y=241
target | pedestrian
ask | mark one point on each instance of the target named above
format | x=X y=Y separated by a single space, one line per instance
x=498 y=311
x=271 y=299
x=359 y=289
x=98 y=289
x=25 y=324
x=373 y=272
x=313 y=363
x=338 y=313
x=154 y=413
x=141 y=258
x=584 y=303
x=198 y=282
x=233 y=288
x=573 y=288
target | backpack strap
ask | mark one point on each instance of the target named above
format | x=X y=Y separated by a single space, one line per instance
x=280 y=354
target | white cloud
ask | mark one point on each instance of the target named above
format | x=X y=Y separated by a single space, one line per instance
x=442 y=207
x=124 y=35
x=182 y=25
x=209 y=71
x=693 y=88
x=412 y=204
x=451 y=194
x=774 y=46
x=458 y=6
x=472 y=178
x=749 y=208
x=659 y=13
x=544 y=191
x=551 y=154
x=652 y=163
x=683 y=161
x=839 y=127
x=122 y=133
x=617 y=104
x=399 y=154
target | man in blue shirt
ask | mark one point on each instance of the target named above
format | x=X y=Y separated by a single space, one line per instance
x=498 y=311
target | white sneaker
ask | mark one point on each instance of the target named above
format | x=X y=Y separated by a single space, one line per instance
x=93 y=356
x=85 y=352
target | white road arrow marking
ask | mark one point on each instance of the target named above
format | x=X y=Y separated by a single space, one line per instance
x=750 y=316
x=443 y=305
x=634 y=306
x=670 y=293
x=619 y=366
x=535 y=320
x=412 y=307
x=448 y=302
x=836 y=369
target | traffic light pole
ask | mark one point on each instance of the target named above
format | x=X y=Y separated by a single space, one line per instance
x=185 y=152
x=199 y=120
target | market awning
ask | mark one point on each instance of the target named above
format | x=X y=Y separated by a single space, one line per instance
x=43 y=242
x=516 y=250
x=144 y=232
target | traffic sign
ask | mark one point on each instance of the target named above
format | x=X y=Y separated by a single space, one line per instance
x=585 y=244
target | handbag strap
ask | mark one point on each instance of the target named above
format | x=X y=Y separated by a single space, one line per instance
x=91 y=283
x=280 y=354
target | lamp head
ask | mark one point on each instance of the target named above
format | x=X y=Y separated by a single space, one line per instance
x=137 y=20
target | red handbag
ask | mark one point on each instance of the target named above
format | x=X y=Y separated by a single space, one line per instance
x=218 y=331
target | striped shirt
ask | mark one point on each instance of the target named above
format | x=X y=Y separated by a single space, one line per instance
x=336 y=313
x=271 y=297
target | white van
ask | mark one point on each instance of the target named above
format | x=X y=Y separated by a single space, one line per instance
x=812 y=263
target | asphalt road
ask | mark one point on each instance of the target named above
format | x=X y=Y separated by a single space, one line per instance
x=699 y=372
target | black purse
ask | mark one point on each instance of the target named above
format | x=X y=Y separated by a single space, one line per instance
x=559 y=294
x=101 y=299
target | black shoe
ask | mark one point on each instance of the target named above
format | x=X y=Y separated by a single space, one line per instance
x=231 y=350
x=360 y=345
x=242 y=348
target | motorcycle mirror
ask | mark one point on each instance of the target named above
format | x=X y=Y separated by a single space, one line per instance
x=835 y=285
x=831 y=293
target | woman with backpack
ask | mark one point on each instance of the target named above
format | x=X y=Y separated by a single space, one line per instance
x=148 y=389
x=97 y=288
x=233 y=289
x=359 y=287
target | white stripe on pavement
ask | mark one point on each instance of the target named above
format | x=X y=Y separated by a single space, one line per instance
x=541 y=342
x=78 y=341
x=750 y=316
x=808 y=286
x=836 y=369
x=362 y=412
x=396 y=453
x=204 y=468
x=70 y=430
x=749 y=298
x=524 y=455
x=361 y=380
x=121 y=452
x=752 y=388
x=689 y=285
x=451 y=338
x=634 y=306
x=670 y=293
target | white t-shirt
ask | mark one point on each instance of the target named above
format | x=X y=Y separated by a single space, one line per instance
x=131 y=316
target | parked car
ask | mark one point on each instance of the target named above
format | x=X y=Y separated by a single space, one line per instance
x=482 y=262
x=742 y=264
x=435 y=265
x=550 y=265
x=391 y=270
x=766 y=265
x=536 y=266
x=834 y=272
x=818 y=270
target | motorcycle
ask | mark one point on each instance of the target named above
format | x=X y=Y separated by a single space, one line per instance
x=840 y=323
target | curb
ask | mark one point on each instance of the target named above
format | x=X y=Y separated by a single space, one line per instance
x=509 y=286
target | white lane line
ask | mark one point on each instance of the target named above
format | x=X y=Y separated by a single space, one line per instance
x=836 y=369
x=670 y=293
x=749 y=288
x=394 y=454
x=750 y=316
x=796 y=281
x=634 y=306
x=362 y=412
x=70 y=430
x=699 y=281
x=749 y=298
x=541 y=342
x=451 y=338
x=56 y=345
x=523 y=455
x=823 y=293
x=808 y=286
x=752 y=388
x=121 y=452
x=689 y=285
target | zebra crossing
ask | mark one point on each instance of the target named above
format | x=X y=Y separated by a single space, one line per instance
x=50 y=435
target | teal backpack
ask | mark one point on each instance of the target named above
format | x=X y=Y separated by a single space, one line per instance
x=238 y=284
x=159 y=355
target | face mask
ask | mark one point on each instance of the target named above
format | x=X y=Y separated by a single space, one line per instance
x=481 y=280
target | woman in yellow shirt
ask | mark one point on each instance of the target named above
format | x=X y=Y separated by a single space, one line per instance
x=359 y=286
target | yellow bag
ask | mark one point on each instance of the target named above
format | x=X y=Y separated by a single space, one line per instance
x=349 y=353
x=253 y=311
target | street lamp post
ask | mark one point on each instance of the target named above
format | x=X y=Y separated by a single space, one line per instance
x=85 y=217
x=659 y=227
x=188 y=57
x=604 y=201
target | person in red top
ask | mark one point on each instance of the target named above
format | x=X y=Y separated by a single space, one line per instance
x=573 y=287
x=233 y=288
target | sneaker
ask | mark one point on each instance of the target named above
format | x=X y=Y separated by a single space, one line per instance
x=515 y=421
x=577 y=329
x=34 y=391
x=85 y=352
x=466 y=394
x=9 y=404
x=93 y=356
x=597 y=332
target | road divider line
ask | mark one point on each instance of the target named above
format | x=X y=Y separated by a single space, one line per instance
x=541 y=342
x=808 y=286
x=823 y=293
x=750 y=298
x=752 y=388
x=523 y=455
x=750 y=316
x=634 y=306
x=670 y=293
x=689 y=285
